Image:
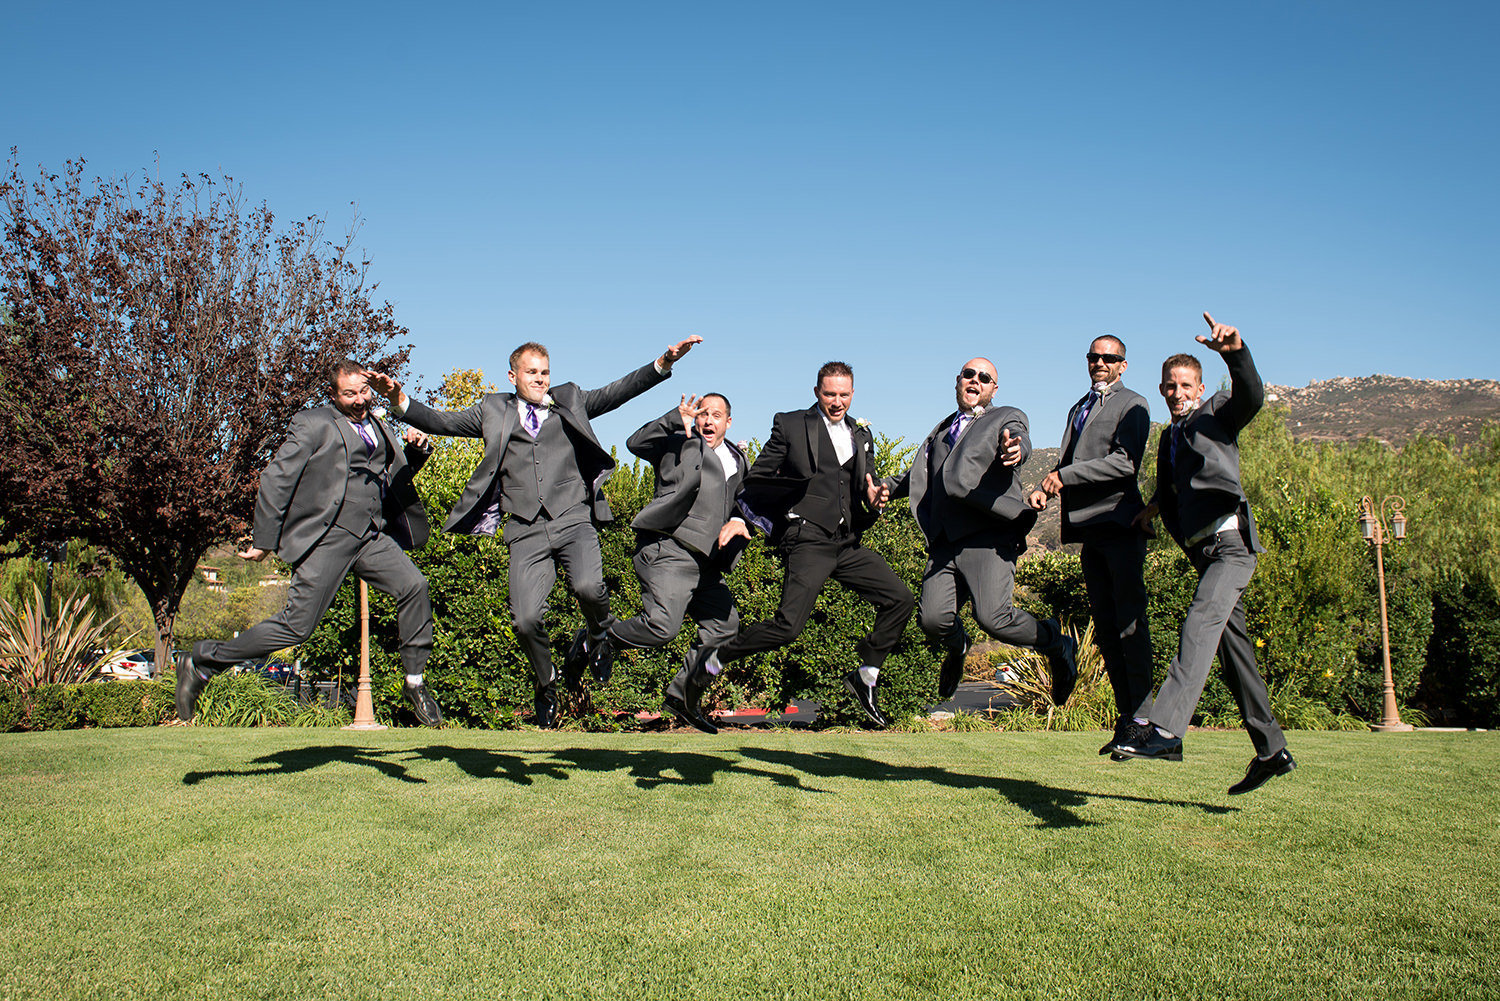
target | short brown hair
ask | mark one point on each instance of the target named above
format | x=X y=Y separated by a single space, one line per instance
x=340 y=368
x=1181 y=361
x=728 y=410
x=1110 y=337
x=530 y=347
x=834 y=368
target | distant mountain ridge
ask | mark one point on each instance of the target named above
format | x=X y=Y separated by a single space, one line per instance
x=1391 y=408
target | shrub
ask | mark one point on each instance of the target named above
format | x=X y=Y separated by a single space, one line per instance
x=1090 y=707
x=245 y=700
x=39 y=647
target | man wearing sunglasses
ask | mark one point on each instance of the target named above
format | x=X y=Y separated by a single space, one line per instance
x=1102 y=445
x=967 y=499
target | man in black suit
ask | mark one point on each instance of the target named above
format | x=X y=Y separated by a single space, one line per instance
x=1203 y=505
x=678 y=558
x=338 y=497
x=1102 y=445
x=967 y=500
x=548 y=475
x=812 y=490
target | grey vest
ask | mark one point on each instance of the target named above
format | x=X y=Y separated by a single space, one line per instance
x=362 y=508
x=540 y=475
x=712 y=507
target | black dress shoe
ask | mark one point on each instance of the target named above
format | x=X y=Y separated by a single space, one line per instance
x=952 y=671
x=1127 y=731
x=690 y=715
x=1151 y=743
x=1262 y=770
x=867 y=698
x=1062 y=660
x=546 y=708
x=601 y=654
x=423 y=704
x=577 y=657
x=190 y=684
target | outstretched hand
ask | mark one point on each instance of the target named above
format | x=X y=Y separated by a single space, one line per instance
x=1224 y=339
x=1010 y=448
x=252 y=554
x=677 y=350
x=384 y=385
x=415 y=437
x=690 y=407
x=733 y=528
x=878 y=494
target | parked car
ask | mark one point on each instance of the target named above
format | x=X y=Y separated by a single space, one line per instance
x=137 y=665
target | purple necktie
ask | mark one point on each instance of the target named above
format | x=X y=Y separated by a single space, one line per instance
x=1083 y=411
x=957 y=427
x=366 y=435
x=532 y=424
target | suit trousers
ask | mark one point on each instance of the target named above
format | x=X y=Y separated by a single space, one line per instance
x=676 y=581
x=374 y=558
x=536 y=548
x=1216 y=622
x=1113 y=575
x=981 y=567
x=813 y=556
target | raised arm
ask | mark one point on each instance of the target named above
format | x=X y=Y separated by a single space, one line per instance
x=1246 y=392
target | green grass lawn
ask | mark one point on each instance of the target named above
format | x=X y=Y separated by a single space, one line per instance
x=219 y=864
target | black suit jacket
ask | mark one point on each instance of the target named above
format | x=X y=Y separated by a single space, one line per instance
x=789 y=462
x=494 y=418
x=302 y=489
x=1203 y=485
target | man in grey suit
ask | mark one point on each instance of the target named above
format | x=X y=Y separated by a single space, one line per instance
x=338 y=497
x=543 y=467
x=967 y=500
x=1203 y=505
x=1102 y=445
x=678 y=558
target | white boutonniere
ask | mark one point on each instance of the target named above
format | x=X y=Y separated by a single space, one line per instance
x=860 y=422
x=379 y=412
x=977 y=411
x=548 y=401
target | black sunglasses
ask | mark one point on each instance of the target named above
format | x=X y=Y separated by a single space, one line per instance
x=973 y=373
x=1094 y=356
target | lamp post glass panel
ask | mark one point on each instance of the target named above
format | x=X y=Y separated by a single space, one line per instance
x=1372 y=529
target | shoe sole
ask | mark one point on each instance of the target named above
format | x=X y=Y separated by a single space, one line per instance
x=1169 y=756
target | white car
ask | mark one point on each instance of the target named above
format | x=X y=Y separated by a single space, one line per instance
x=133 y=666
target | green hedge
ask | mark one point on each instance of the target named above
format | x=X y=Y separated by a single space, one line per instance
x=96 y=704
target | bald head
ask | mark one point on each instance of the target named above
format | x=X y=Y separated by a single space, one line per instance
x=976 y=385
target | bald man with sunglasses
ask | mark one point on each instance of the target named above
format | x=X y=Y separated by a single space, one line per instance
x=968 y=500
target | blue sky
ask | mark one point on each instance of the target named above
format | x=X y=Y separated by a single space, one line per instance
x=898 y=185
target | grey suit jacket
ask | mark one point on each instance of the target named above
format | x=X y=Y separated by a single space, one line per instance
x=984 y=493
x=1099 y=467
x=785 y=468
x=302 y=489
x=678 y=461
x=1203 y=485
x=494 y=419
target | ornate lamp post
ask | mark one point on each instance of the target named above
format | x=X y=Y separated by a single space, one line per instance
x=1372 y=529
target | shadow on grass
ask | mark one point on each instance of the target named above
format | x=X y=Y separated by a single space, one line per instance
x=1051 y=806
